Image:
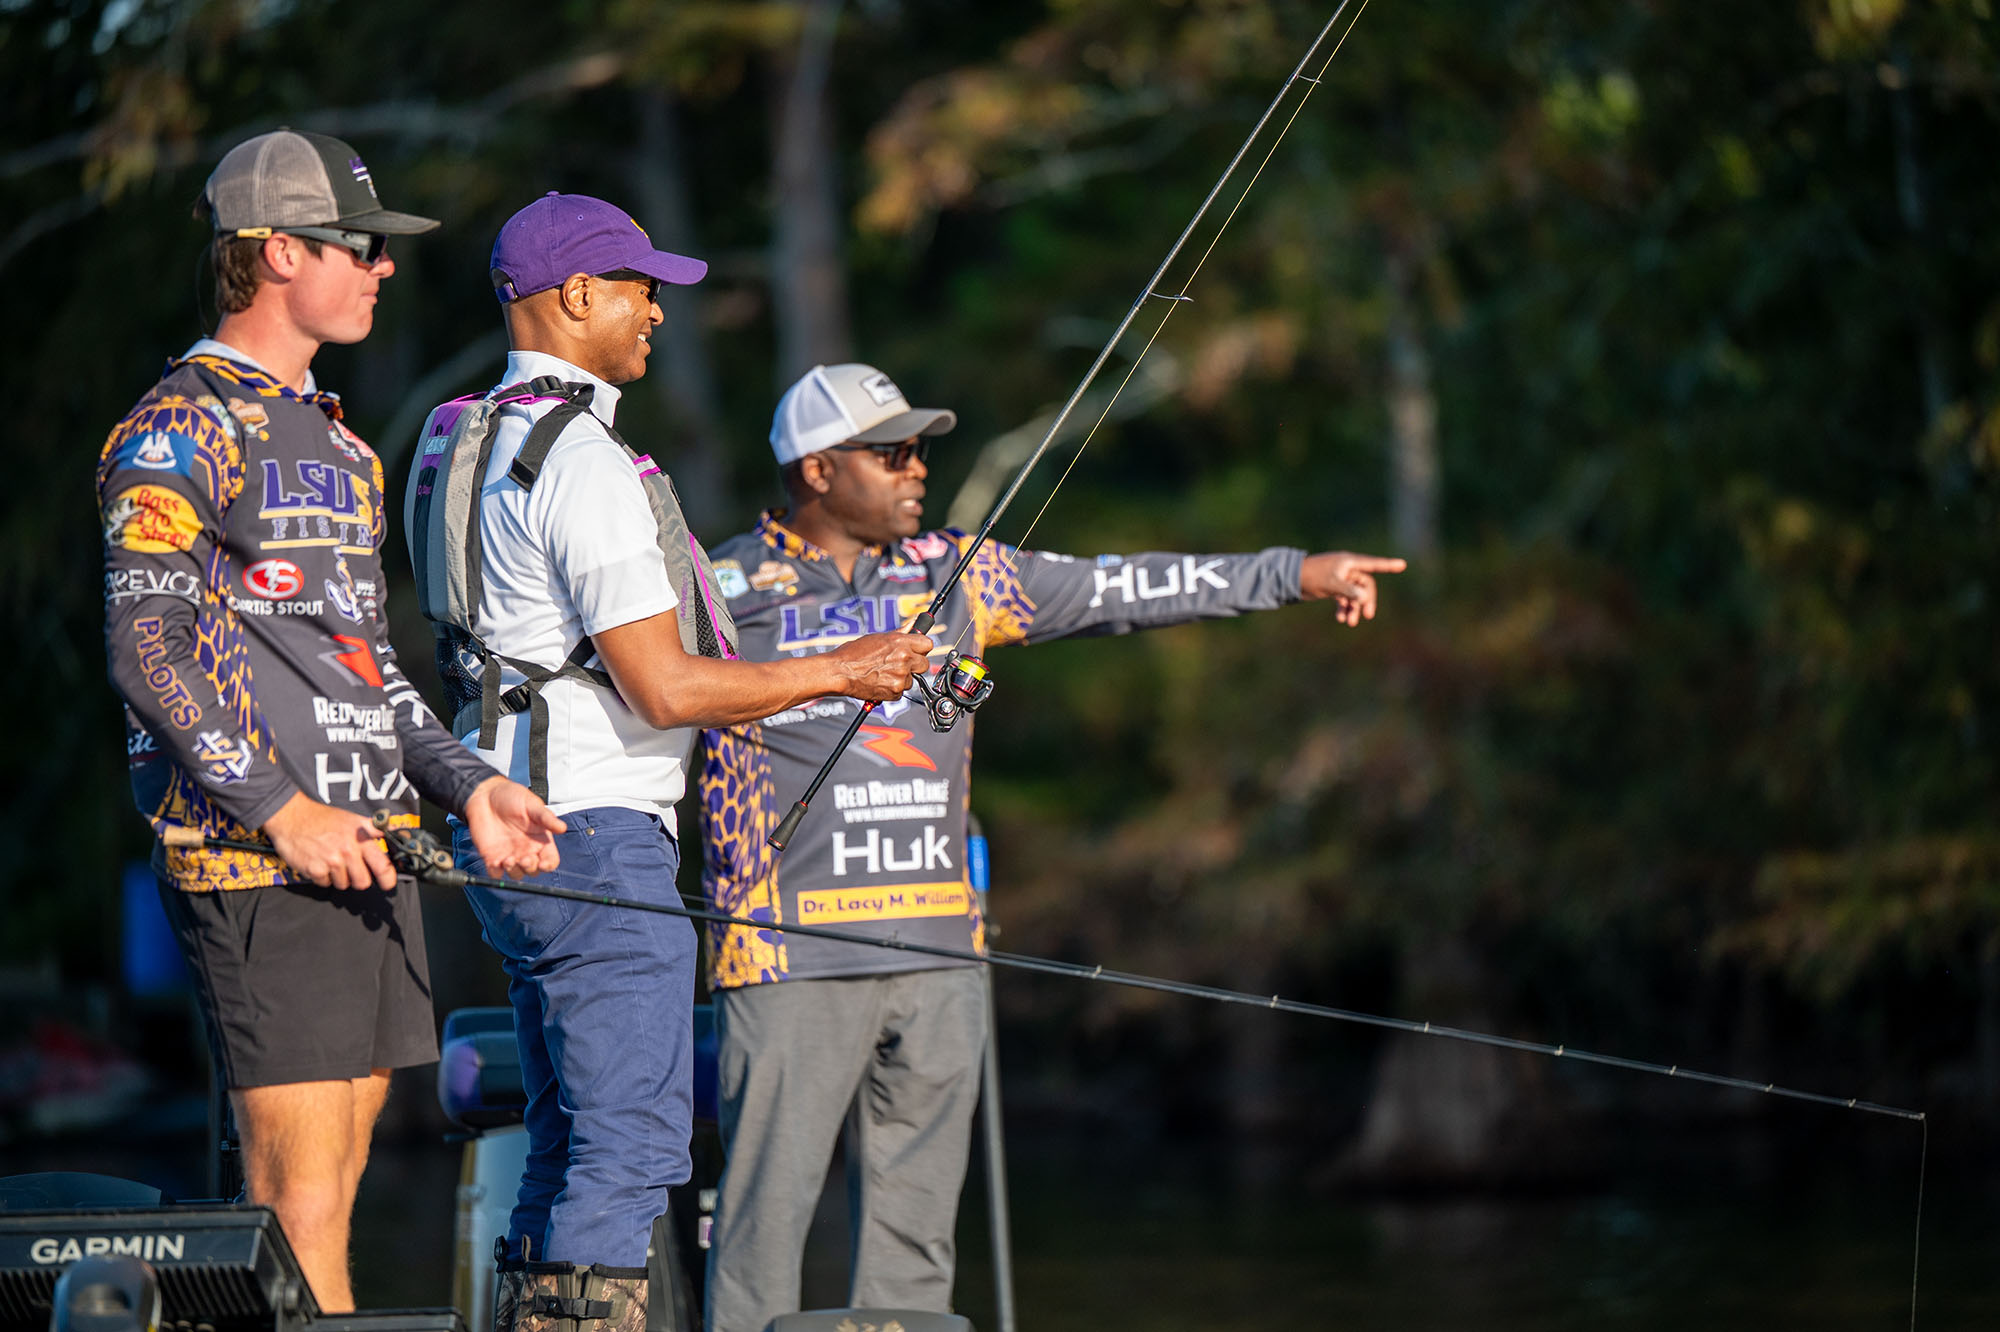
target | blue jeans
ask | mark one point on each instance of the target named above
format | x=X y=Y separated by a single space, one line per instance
x=603 y=1000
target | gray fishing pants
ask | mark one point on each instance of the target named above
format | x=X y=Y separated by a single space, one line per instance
x=898 y=1058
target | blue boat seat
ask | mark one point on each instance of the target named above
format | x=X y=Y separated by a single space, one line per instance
x=479 y=1068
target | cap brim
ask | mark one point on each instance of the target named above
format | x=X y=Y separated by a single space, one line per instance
x=385 y=223
x=675 y=268
x=917 y=421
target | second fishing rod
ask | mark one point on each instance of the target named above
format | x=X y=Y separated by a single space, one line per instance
x=419 y=855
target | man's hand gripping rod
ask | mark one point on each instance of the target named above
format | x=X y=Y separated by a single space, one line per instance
x=782 y=835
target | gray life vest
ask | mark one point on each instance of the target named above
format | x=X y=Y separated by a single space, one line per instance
x=441 y=523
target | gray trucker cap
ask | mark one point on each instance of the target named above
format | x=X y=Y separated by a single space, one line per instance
x=852 y=403
x=292 y=179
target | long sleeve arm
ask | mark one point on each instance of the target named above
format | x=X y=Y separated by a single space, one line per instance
x=1035 y=596
x=168 y=474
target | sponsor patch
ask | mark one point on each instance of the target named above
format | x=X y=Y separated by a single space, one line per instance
x=151 y=520
x=225 y=762
x=892 y=744
x=729 y=577
x=897 y=903
x=346 y=442
x=253 y=415
x=273 y=579
x=877 y=852
x=881 y=388
x=340 y=591
x=929 y=546
x=161 y=678
x=900 y=572
x=355 y=659
x=158 y=451
x=772 y=575
x=356 y=780
x=211 y=404
x=132 y=584
x=893 y=801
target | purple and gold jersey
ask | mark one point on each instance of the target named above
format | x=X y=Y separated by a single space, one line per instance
x=882 y=851
x=243 y=618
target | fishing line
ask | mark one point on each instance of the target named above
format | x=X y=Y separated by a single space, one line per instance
x=1174 y=302
x=419 y=855
x=780 y=837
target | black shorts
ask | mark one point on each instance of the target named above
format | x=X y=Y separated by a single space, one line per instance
x=300 y=983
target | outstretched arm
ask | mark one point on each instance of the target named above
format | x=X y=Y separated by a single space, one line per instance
x=1347 y=579
x=1033 y=596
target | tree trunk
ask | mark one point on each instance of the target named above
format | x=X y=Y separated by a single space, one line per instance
x=1447 y=1113
x=684 y=379
x=1912 y=202
x=808 y=273
x=1413 y=450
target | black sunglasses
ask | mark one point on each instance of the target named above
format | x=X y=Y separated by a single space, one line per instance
x=629 y=275
x=897 y=456
x=368 y=247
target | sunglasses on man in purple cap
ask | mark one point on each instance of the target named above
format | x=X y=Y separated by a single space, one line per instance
x=559 y=235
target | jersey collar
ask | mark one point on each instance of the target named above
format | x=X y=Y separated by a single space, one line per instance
x=523 y=366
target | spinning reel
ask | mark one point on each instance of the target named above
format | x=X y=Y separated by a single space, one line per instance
x=959 y=684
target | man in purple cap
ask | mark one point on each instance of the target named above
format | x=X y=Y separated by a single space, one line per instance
x=244 y=628
x=587 y=645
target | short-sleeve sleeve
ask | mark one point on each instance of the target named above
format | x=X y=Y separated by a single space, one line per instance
x=601 y=536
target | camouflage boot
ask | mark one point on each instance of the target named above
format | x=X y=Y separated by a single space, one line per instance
x=511 y=1278
x=561 y=1297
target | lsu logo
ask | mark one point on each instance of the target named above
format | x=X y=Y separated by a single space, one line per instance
x=273 y=580
x=151 y=520
x=808 y=628
x=224 y=761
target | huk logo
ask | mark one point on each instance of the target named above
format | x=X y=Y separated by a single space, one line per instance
x=1134 y=582
x=927 y=852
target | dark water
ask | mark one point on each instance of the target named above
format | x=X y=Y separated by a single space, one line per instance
x=1112 y=1234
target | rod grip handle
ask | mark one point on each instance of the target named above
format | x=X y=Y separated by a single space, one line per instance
x=922 y=624
x=178 y=837
x=782 y=834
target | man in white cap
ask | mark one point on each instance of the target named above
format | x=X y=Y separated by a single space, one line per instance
x=815 y=1032
x=245 y=630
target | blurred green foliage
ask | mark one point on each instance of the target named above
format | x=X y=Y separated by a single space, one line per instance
x=1687 y=717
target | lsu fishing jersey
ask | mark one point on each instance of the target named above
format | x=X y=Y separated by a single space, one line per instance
x=243 y=617
x=882 y=852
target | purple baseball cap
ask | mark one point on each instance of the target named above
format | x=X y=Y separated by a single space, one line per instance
x=561 y=234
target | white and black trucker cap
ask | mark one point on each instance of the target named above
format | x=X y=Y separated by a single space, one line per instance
x=288 y=178
x=843 y=404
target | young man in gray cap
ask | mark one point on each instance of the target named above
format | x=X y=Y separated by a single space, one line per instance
x=813 y=1031
x=590 y=647
x=244 y=625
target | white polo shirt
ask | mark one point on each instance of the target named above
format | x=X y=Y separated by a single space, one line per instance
x=576 y=555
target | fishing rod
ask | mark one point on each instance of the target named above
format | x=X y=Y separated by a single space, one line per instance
x=420 y=855
x=962 y=683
